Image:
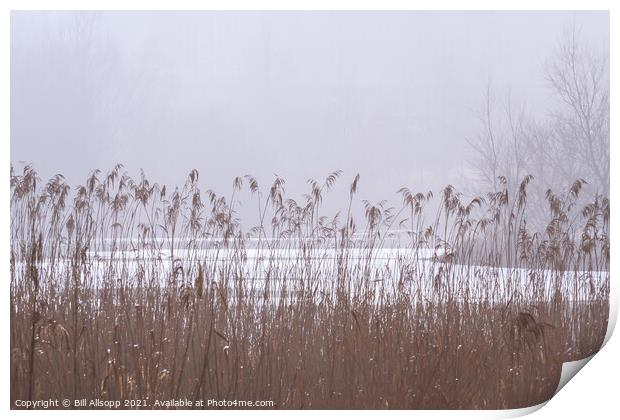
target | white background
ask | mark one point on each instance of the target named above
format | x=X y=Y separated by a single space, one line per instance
x=592 y=393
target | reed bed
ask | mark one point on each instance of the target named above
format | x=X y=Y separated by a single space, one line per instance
x=124 y=290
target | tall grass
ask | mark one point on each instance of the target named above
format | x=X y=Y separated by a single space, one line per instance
x=123 y=289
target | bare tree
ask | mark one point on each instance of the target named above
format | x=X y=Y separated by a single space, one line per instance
x=570 y=143
x=501 y=146
x=576 y=143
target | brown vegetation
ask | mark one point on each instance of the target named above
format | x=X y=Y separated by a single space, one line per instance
x=134 y=292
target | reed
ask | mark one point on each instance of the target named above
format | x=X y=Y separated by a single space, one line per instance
x=124 y=289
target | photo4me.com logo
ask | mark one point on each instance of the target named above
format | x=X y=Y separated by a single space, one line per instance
x=238 y=403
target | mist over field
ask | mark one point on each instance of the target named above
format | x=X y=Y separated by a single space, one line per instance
x=395 y=96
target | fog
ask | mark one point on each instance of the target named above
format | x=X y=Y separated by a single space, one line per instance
x=394 y=96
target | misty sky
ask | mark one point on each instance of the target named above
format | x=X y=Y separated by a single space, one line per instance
x=392 y=95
